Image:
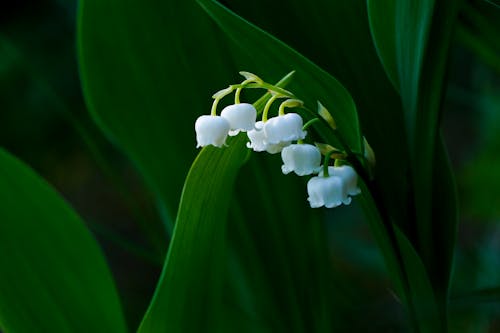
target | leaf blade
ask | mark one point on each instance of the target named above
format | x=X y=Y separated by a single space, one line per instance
x=56 y=278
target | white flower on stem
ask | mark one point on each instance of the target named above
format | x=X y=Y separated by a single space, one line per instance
x=284 y=128
x=303 y=159
x=257 y=137
x=258 y=140
x=211 y=130
x=335 y=189
x=348 y=176
x=241 y=117
x=326 y=191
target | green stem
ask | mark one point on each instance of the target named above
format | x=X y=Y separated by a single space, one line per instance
x=281 y=111
x=237 y=96
x=239 y=89
x=267 y=86
x=214 y=107
x=309 y=123
x=326 y=162
x=268 y=106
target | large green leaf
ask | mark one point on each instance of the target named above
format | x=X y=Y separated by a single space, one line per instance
x=54 y=277
x=146 y=77
x=191 y=280
x=413 y=43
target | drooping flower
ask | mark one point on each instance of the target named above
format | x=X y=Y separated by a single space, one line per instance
x=303 y=159
x=348 y=176
x=284 y=128
x=326 y=191
x=241 y=117
x=257 y=137
x=211 y=130
x=258 y=140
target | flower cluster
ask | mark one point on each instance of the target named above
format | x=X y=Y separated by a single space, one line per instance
x=285 y=133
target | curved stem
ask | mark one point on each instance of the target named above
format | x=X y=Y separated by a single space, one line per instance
x=239 y=89
x=237 y=95
x=268 y=106
x=309 y=123
x=213 y=112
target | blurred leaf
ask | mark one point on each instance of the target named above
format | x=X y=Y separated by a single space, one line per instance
x=476 y=297
x=54 y=277
x=478 y=30
x=419 y=32
x=421 y=292
x=384 y=240
x=382 y=26
x=146 y=78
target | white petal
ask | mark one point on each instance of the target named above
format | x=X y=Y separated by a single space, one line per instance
x=349 y=177
x=284 y=128
x=257 y=137
x=303 y=159
x=326 y=191
x=241 y=117
x=211 y=130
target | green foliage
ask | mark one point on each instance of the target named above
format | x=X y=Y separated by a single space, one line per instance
x=143 y=87
x=56 y=278
x=246 y=252
x=191 y=282
x=413 y=45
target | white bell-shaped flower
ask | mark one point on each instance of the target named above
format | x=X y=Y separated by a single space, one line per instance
x=348 y=176
x=326 y=191
x=303 y=159
x=284 y=128
x=258 y=140
x=241 y=117
x=257 y=137
x=211 y=130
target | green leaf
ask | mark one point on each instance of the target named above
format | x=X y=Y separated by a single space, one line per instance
x=420 y=289
x=382 y=25
x=190 y=281
x=413 y=43
x=312 y=83
x=478 y=30
x=54 y=276
x=146 y=78
x=336 y=36
x=194 y=264
x=385 y=241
